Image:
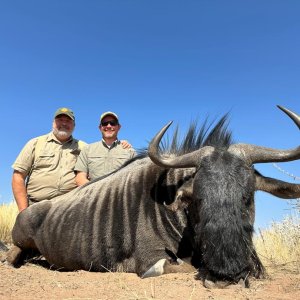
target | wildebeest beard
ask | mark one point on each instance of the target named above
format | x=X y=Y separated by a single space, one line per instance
x=224 y=224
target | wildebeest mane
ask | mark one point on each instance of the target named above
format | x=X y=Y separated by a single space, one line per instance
x=196 y=137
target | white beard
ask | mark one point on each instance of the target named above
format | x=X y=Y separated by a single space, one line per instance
x=62 y=134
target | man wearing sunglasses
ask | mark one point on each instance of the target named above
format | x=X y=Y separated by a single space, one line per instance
x=105 y=156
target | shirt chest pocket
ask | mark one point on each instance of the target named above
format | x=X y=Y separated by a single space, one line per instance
x=96 y=160
x=45 y=159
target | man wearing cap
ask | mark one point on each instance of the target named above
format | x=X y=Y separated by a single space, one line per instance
x=103 y=157
x=44 y=168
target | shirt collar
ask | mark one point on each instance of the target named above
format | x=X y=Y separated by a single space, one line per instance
x=112 y=145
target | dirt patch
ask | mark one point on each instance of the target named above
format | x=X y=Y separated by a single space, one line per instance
x=36 y=282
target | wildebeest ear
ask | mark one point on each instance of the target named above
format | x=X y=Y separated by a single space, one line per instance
x=183 y=196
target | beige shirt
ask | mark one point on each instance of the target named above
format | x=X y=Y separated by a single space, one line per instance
x=52 y=173
x=98 y=159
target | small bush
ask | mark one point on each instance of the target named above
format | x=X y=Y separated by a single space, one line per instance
x=279 y=245
x=8 y=214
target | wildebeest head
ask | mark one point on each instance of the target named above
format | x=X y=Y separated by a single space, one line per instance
x=220 y=200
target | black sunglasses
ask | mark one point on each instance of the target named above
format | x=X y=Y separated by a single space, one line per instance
x=112 y=123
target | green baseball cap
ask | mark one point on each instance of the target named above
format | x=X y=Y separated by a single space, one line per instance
x=65 y=111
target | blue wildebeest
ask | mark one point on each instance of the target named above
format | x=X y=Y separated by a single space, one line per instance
x=154 y=214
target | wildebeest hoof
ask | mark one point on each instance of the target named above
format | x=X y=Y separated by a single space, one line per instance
x=226 y=284
x=13 y=255
x=209 y=284
x=179 y=266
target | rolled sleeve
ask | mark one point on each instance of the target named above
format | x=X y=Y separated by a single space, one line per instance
x=25 y=159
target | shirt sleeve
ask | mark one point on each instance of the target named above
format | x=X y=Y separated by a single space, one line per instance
x=25 y=159
x=82 y=161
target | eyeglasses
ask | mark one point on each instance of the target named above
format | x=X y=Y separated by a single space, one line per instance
x=112 y=123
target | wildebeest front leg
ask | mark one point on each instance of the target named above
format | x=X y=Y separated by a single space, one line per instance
x=22 y=241
x=26 y=225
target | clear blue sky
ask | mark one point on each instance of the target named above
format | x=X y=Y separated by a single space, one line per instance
x=151 y=62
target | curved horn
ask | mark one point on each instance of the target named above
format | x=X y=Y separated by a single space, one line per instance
x=277 y=187
x=256 y=154
x=292 y=115
x=189 y=160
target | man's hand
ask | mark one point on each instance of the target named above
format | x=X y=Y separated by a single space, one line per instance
x=125 y=144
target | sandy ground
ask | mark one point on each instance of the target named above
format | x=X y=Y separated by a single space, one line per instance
x=32 y=281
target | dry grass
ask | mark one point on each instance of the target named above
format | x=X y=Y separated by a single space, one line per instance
x=279 y=245
x=8 y=214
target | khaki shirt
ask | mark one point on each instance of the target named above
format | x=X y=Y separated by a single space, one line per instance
x=52 y=173
x=98 y=159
